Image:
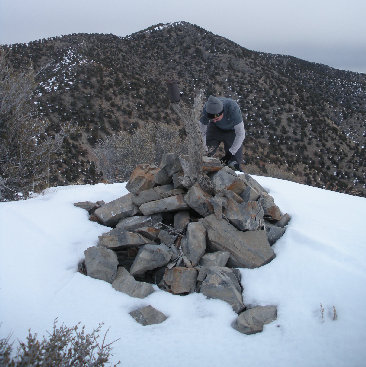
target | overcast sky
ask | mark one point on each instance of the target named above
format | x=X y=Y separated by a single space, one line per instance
x=332 y=32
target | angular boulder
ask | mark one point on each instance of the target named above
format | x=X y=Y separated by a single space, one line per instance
x=119 y=237
x=126 y=283
x=284 y=221
x=246 y=216
x=142 y=178
x=199 y=200
x=170 y=204
x=227 y=179
x=274 y=233
x=271 y=211
x=211 y=164
x=180 y=280
x=252 y=321
x=222 y=283
x=218 y=258
x=139 y=221
x=148 y=315
x=111 y=213
x=194 y=244
x=145 y=196
x=250 y=181
x=101 y=263
x=150 y=257
x=249 y=194
x=247 y=249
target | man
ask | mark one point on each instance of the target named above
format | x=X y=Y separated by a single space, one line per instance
x=222 y=121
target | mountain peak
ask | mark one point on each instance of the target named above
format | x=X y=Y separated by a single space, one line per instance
x=304 y=121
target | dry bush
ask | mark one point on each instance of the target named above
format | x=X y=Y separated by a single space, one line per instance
x=120 y=153
x=65 y=346
x=25 y=148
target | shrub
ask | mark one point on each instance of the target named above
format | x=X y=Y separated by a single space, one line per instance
x=120 y=153
x=65 y=346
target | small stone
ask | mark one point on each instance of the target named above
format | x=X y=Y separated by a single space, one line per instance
x=180 y=280
x=271 y=211
x=88 y=206
x=274 y=233
x=284 y=221
x=148 y=316
x=252 y=321
x=126 y=283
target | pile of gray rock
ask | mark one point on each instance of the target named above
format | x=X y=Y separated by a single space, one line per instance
x=187 y=238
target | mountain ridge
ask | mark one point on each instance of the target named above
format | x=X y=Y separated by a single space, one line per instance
x=305 y=121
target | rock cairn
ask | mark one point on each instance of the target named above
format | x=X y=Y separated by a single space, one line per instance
x=185 y=238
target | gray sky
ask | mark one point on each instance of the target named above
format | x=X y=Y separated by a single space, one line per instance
x=332 y=32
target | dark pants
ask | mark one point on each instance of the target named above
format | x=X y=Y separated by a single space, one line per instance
x=215 y=136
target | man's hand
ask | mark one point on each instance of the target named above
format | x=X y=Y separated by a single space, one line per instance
x=227 y=158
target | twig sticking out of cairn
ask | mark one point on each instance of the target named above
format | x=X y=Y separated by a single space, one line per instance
x=193 y=166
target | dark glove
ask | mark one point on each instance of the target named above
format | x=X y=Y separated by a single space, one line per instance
x=227 y=158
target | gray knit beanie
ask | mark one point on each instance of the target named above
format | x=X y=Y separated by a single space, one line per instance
x=214 y=105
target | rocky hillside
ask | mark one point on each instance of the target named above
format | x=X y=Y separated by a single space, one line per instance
x=305 y=121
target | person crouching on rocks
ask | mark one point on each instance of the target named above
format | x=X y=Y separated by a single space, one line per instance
x=222 y=121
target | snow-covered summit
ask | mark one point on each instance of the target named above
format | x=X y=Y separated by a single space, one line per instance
x=317 y=281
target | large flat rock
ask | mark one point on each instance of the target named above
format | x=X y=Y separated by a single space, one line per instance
x=111 y=213
x=249 y=249
x=118 y=237
x=170 y=204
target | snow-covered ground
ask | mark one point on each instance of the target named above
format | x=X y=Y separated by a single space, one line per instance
x=321 y=260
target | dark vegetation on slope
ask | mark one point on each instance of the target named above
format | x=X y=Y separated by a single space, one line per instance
x=305 y=121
